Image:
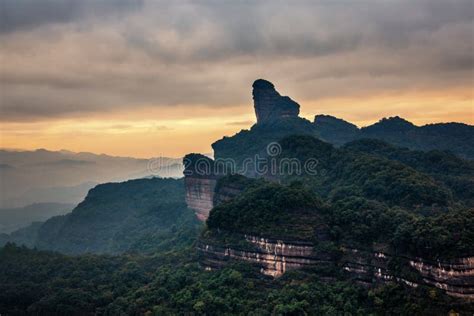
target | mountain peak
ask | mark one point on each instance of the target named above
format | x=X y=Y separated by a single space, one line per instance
x=262 y=84
x=396 y=120
x=270 y=105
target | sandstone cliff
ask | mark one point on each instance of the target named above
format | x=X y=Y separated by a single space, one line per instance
x=270 y=105
x=275 y=257
x=200 y=178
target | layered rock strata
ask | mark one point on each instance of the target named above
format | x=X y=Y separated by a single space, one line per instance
x=200 y=195
x=200 y=179
x=275 y=257
x=455 y=277
x=203 y=193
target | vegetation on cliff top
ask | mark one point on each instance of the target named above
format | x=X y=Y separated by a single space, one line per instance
x=360 y=198
x=270 y=210
x=348 y=172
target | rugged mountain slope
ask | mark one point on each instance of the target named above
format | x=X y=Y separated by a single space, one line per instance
x=377 y=212
x=454 y=172
x=277 y=117
x=455 y=137
x=140 y=215
x=280 y=228
x=346 y=172
x=428 y=183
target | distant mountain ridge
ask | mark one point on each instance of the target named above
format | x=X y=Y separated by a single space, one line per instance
x=457 y=138
x=65 y=177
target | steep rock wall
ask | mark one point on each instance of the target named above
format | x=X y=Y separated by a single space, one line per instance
x=455 y=277
x=275 y=257
x=200 y=195
x=270 y=105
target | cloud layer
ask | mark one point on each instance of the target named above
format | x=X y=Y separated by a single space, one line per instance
x=77 y=58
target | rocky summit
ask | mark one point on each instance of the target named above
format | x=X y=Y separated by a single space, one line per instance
x=270 y=105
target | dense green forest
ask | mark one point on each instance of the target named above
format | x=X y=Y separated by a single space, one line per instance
x=142 y=215
x=422 y=182
x=270 y=210
x=172 y=283
x=456 y=173
x=406 y=198
x=295 y=212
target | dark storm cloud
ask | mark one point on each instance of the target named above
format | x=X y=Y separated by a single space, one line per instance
x=68 y=57
x=18 y=15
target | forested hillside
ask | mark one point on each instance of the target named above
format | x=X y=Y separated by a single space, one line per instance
x=457 y=138
x=46 y=283
x=138 y=215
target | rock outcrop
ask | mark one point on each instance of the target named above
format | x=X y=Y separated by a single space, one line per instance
x=456 y=277
x=275 y=257
x=200 y=195
x=200 y=179
x=270 y=105
x=201 y=176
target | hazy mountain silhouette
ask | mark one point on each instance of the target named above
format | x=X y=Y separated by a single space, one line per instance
x=29 y=177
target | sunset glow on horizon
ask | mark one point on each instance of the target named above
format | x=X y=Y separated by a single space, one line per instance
x=148 y=132
x=140 y=79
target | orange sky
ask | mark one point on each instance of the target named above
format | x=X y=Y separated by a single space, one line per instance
x=176 y=131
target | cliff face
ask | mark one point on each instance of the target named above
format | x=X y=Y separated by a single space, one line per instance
x=203 y=193
x=275 y=257
x=200 y=195
x=270 y=105
x=455 y=277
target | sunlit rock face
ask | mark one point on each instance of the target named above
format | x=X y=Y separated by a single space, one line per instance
x=200 y=195
x=456 y=277
x=270 y=105
x=200 y=179
x=274 y=257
